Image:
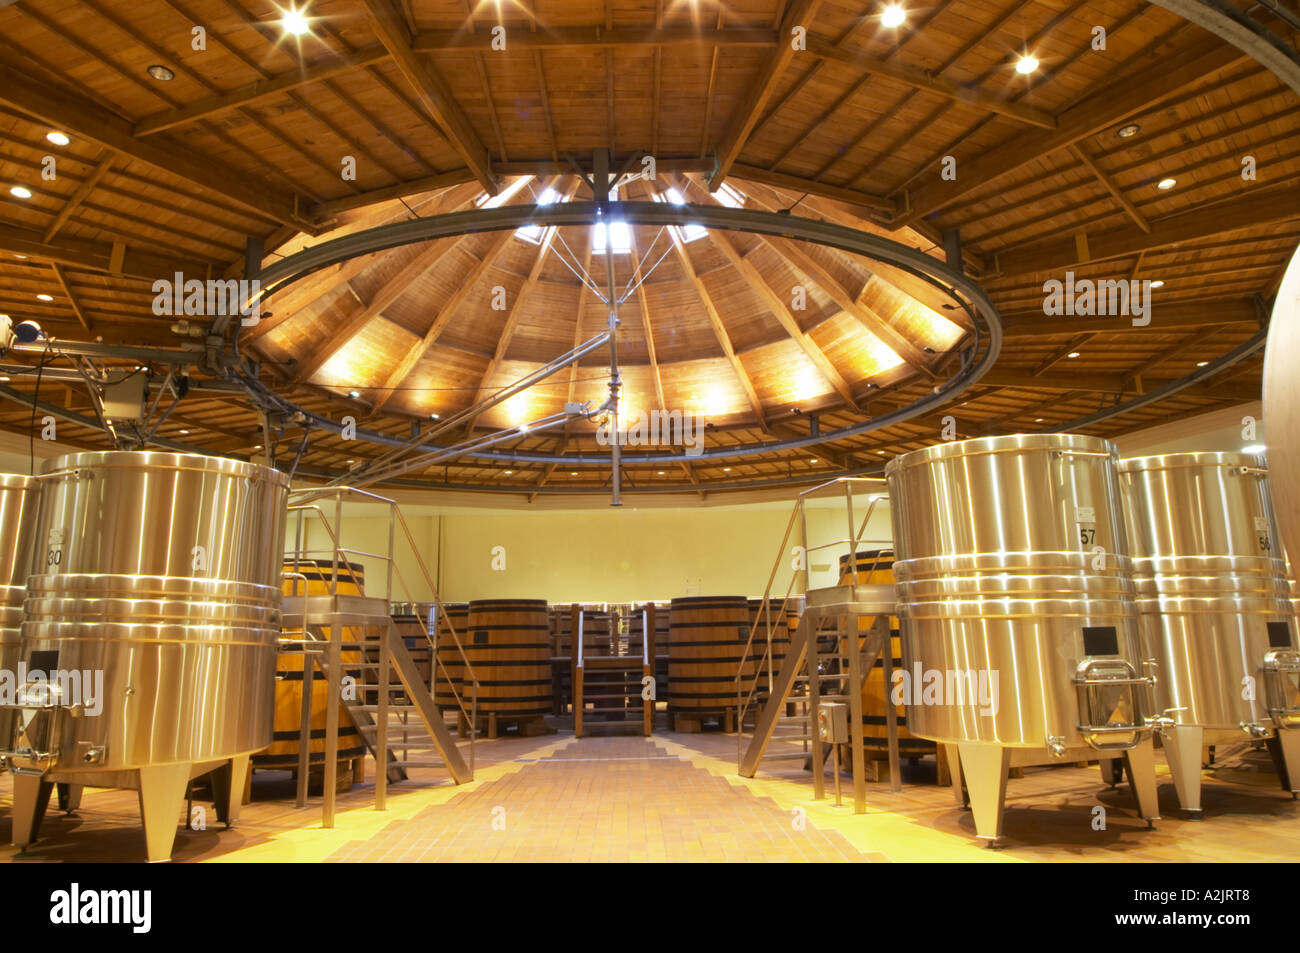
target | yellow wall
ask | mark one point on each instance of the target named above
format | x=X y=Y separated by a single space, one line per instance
x=606 y=555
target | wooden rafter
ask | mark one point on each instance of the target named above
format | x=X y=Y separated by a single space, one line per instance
x=1160 y=75
x=1257 y=206
x=1061 y=353
x=365 y=313
x=435 y=41
x=102 y=164
x=780 y=310
x=62 y=278
x=800 y=13
x=82 y=118
x=1096 y=383
x=431 y=90
x=114 y=258
x=416 y=353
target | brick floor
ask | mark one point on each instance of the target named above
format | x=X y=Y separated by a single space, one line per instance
x=676 y=797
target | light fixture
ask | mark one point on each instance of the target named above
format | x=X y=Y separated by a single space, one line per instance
x=881 y=452
x=1255 y=448
x=1164 y=185
x=185 y=433
x=44 y=297
x=1157 y=283
x=726 y=469
x=573 y=473
x=1026 y=65
x=23 y=257
x=509 y=472
x=1202 y=363
x=58 y=138
x=433 y=416
x=354 y=394
x=661 y=472
x=1129 y=131
x=4 y=379
x=161 y=73
x=295 y=23
x=893 y=15
x=1038 y=420
x=813 y=460
x=20 y=192
x=1073 y=354
x=257 y=446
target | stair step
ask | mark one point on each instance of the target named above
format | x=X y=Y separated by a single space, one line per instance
x=420 y=764
x=786 y=756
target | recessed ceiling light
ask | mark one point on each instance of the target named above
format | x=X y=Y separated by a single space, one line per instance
x=1073 y=354
x=1127 y=132
x=3 y=379
x=1157 y=283
x=433 y=416
x=812 y=460
x=257 y=446
x=661 y=472
x=185 y=433
x=509 y=472
x=44 y=298
x=893 y=15
x=1164 y=185
x=161 y=73
x=23 y=257
x=573 y=473
x=726 y=469
x=20 y=192
x=1202 y=363
x=1026 y=65
x=294 y=22
x=354 y=394
x=58 y=138
x=881 y=452
x=1038 y=420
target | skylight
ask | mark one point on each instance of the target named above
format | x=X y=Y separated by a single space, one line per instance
x=729 y=196
x=534 y=233
x=683 y=234
x=621 y=238
x=505 y=195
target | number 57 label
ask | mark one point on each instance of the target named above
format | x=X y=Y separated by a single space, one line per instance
x=1086 y=518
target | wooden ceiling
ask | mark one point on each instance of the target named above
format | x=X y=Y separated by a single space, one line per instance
x=248 y=139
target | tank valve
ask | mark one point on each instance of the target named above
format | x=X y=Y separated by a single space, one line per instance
x=1254 y=729
x=1056 y=745
x=93 y=755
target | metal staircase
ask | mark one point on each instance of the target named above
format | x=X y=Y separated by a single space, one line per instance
x=389 y=701
x=831 y=653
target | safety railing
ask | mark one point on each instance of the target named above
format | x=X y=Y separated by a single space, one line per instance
x=339 y=556
x=765 y=671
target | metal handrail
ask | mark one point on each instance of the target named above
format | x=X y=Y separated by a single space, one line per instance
x=396 y=518
x=799 y=514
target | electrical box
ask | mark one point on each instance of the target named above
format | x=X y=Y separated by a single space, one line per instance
x=125 y=399
x=833 y=723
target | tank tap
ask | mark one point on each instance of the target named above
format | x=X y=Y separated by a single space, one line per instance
x=1056 y=745
x=1254 y=729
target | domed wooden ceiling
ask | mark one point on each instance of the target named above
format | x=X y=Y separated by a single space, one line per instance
x=925 y=133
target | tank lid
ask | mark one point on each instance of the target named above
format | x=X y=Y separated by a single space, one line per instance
x=164 y=460
x=1009 y=443
x=17 y=481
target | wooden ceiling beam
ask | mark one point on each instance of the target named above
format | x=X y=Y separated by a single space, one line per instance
x=364 y=314
x=1113 y=384
x=85 y=119
x=1164 y=317
x=779 y=309
x=62 y=278
x=1253 y=208
x=416 y=353
x=258 y=91
x=1159 y=75
x=863 y=200
x=439 y=41
x=1109 y=185
x=926 y=82
x=112 y=258
x=102 y=165
x=431 y=90
x=761 y=88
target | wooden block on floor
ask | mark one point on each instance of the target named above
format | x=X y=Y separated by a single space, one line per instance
x=686 y=723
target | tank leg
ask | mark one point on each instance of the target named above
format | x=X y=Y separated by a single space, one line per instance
x=162 y=793
x=228 y=782
x=986 y=780
x=1141 y=762
x=1284 y=747
x=1183 y=749
x=69 y=797
x=31 y=796
x=954 y=772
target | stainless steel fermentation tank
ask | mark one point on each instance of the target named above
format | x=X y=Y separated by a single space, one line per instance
x=1016 y=607
x=1215 y=608
x=18 y=496
x=161 y=572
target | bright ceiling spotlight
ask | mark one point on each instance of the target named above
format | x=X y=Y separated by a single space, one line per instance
x=509 y=472
x=1038 y=420
x=58 y=138
x=19 y=192
x=354 y=394
x=433 y=416
x=295 y=23
x=1026 y=65
x=161 y=73
x=1164 y=185
x=185 y=433
x=1202 y=363
x=1157 y=283
x=893 y=15
x=1127 y=132
x=44 y=297
x=1073 y=354
x=573 y=473
x=660 y=472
